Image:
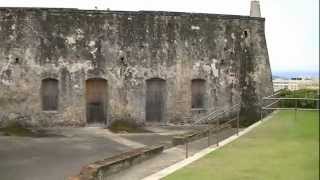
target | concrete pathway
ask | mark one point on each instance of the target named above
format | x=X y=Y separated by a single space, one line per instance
x=162 y=135
x=168 y=170
x=117 y=138
x=167 y=158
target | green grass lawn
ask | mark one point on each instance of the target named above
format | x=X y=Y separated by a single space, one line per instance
x=279 y=149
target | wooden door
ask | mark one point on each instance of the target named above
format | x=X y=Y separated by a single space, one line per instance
x=198 y=91
x=155 y=100
x=96 y=97
x=50 y=93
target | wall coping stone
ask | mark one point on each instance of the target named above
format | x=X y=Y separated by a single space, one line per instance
x=116 y=163
x=142 y=12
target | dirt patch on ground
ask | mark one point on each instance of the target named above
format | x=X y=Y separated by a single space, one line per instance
x=16 y=129
x=127 y=127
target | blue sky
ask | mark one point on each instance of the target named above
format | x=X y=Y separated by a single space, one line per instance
x=292 y=26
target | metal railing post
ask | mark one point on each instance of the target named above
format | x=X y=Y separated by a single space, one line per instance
x=209 y=133
x=295 y=110
x=238 y=123
x=218 y=129
x=187 y=149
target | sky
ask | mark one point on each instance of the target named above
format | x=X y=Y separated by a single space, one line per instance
x=292 y=26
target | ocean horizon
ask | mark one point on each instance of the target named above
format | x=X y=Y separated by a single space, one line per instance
x=293 y=74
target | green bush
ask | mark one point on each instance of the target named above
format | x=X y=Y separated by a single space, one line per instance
x=126 y=126
x=16 y=129
x=302 y=93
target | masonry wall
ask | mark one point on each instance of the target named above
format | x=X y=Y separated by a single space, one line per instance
x=126 y=49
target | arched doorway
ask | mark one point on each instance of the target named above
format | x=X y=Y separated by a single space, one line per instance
x=155 y=99
x=96 y=100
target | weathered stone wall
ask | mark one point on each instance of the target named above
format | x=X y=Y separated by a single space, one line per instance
x=126 y=49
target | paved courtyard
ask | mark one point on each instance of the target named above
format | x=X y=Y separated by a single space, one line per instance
x=53 y=158
x=63 y=155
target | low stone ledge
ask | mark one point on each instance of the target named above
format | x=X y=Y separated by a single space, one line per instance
x=189 y=137
x=101 y=169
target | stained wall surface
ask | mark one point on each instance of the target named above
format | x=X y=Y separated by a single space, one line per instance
x=126 y=49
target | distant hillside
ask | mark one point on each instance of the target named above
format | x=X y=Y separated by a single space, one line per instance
x=293 y=74
x=278 y=77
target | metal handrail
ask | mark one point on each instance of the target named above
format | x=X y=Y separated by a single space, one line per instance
x=215 y=114
x=207 y=116
x=212 y=117
x=296 y=108
x=279 y=100
x=271 y=104
x=308 y=99
x=225 y=111
x=230 y=121
x=278 y=92
x=303 y=109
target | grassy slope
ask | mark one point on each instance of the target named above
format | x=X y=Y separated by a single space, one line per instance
x=280 y=149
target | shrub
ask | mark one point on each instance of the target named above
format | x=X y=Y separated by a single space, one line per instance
x=16 y=129
x=126 y=126
x=302 y=93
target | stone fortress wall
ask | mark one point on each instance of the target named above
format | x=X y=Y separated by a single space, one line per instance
x=61 y=67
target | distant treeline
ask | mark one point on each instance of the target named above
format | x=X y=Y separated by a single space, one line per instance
x=302 y=93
